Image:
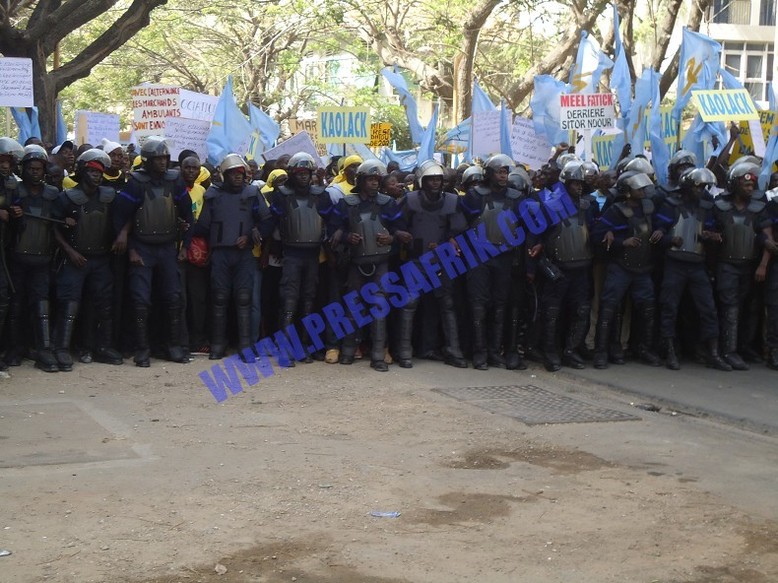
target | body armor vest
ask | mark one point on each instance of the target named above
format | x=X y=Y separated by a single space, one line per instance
x=232 y=215
x=569 y=241
x=739 y=238
x=688 y=226
x=637 y=259
x=491 y=209
x=156 y=221
x=368 y=224
x=93 y=233
x=33 y=236
x=302 y=226
x=428 y=221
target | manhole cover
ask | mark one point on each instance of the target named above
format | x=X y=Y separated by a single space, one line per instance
x=534 y=406
x=55 y=433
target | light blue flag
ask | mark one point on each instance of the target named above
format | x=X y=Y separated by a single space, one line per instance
x=545 y=109
x=264 y=125
x=589 y=65
x=397 y=81
x=481 y=101
x=770 y=158
x=636 y=122
x=405 y=158
x=35 y=126
x=62 y=128
x=660 y=151
x=457 y=139
x=23 y=123
x=701 y=133
x=427 y=145
x=697 y=68
x=506 y=123
x=772 y=99
x=621 y=81
x=230 y=130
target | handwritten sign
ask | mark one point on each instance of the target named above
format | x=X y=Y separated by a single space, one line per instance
x=91 y=127
x=311 y=127
x=152 y=105
x=486 y=133
x=196 y=105
x=380 y=135
x=298 y=143
x=343 y=125
x=16 y=82
x=528 y=147
x=750 y=131
x=586 y=111
x=187 y=134
x=725 y=105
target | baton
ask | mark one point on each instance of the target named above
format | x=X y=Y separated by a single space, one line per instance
x=49 y=219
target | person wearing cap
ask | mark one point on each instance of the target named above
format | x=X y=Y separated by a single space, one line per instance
x=114 y=176
x=64 y=153
x=744 y=228
x=300 y=213
x=146 y=220
x=31 y=252
x=432 y=217
x=87 y=240
x=625 y=229
x=235 y=216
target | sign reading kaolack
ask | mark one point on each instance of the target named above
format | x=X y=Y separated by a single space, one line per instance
x=725 y=105
x=586 y=111
x=343 y=125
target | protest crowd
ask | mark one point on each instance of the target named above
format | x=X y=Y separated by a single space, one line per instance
x=109 y=253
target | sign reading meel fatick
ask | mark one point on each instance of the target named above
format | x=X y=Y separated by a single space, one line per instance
x=725 y=105
x=343 y=125
x=586 y=111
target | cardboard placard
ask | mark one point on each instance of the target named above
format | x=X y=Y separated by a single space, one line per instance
x=528 y=147
x=196 y=105
x=380 y=134
x=91 y=127
x=298 y=143
x=311 y=126
x=152 y=105
x=16 y=82
x=187 y=134
x=486 y=133
x=725 y=105
x=343 y=125
x=586 y=111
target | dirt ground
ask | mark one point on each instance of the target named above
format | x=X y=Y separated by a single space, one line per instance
x=118 y=474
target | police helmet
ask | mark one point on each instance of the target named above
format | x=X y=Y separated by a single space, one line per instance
x=564 y=159
x=372 y=168
x=94 y=157
x=749 y=160
x=639 y=164
x=427 y=169
x=473 y=173
x=154 y=147
x=744 y=171
x=683 y=158
x=10 y=147
x=590 y=169
x=230 y=162
x=632 y=180
x=499 y=161
x=697 y=177
x=573 y=170
x=621 y=165
x=519 y=179
x=301 y=161
x=34 y=152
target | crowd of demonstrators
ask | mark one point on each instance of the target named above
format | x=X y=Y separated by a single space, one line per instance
x=109 y=254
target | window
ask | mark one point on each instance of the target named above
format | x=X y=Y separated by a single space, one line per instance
x=767 y=13
x=751 y=63
x=732 y=11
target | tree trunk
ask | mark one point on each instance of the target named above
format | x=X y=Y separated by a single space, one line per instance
x=663 y=32
x=699 y=8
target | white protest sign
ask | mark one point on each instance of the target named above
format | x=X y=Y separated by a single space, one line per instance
x=196 y=105
x=16 y=82
x=152 y=105
x=91 y=127
x=298 y=143
x=528 y=147
x=187 y=134
x=586 y=111
x=486 y=133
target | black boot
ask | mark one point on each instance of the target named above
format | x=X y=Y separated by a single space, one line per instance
x=142 y=351
x=378 y=334
x=550 y=352
x=452 y=352
x=285 y=320
x=602 y=337
x=772 y=358
x=616 y=350
x=671 y=358
x=729 y=325
x=218 y=325
x=243 y=307
x=646 y=352
x=495 y=357
x=105 y=352
x=479 y=337
x=44 y=359
x=405 y=332
x=575 y=336
x=713 y=360
x=3 y=314
x=513 y=360
x=66 y=321
x=175 y=350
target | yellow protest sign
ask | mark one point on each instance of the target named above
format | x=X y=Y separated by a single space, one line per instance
x=725 y=105
x=380 y=134
x=343 y=125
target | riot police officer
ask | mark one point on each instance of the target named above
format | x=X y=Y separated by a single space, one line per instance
x=432 y=217
x=680 y=162
x=11 y=153
x=772 y=280
x=625 y=229
x=369 y=221
x=87 y=240
x=567 y=245
x=146 y=220
x=742 y=222
x=31 y=252
x=300 y=210
x=233 y=218
x=683 y=224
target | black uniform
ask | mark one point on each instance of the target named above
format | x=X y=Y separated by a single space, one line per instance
x=7 y=190
x=772 y=292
